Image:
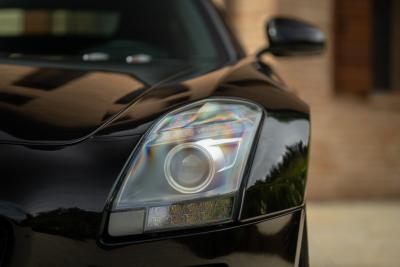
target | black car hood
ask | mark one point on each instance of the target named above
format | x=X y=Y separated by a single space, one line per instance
x=45 y=103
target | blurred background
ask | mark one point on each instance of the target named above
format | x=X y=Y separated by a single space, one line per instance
x=354 y=94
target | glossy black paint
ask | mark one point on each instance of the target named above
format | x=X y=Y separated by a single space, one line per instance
x=59 y=191
x=57 y=171
x=66 y=103
x=272 y=242
x=291 y=37
x=278 y=175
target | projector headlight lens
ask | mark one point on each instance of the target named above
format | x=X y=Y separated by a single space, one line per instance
x=187 y=170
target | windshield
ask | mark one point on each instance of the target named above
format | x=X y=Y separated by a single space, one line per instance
x=88 y=30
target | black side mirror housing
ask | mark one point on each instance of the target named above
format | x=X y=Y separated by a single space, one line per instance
x=292 y=37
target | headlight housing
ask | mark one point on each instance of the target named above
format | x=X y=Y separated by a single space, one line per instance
x=187 y=170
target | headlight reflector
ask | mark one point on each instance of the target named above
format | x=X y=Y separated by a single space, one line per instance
x=188 y=169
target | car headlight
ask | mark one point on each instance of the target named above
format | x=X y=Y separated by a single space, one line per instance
x=187 y=170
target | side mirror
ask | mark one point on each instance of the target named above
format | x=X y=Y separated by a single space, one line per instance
x=292 y=37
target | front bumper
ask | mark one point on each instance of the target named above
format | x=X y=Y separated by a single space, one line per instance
x=272 y=242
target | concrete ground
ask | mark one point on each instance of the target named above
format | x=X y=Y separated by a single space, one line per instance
x=354 y=234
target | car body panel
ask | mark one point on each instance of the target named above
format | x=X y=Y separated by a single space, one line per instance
x=62 y=105
x=58 y=192
x=273 y=242
x=67 y=135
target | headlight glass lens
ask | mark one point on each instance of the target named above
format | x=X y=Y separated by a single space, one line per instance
x=188 y=169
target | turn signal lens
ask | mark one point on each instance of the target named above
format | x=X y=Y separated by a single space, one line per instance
x=190 y=214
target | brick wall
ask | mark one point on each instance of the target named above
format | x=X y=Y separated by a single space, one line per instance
x=355 y=149
x=353 y=71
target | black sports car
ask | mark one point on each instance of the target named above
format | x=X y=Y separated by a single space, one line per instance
x=137 y=133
